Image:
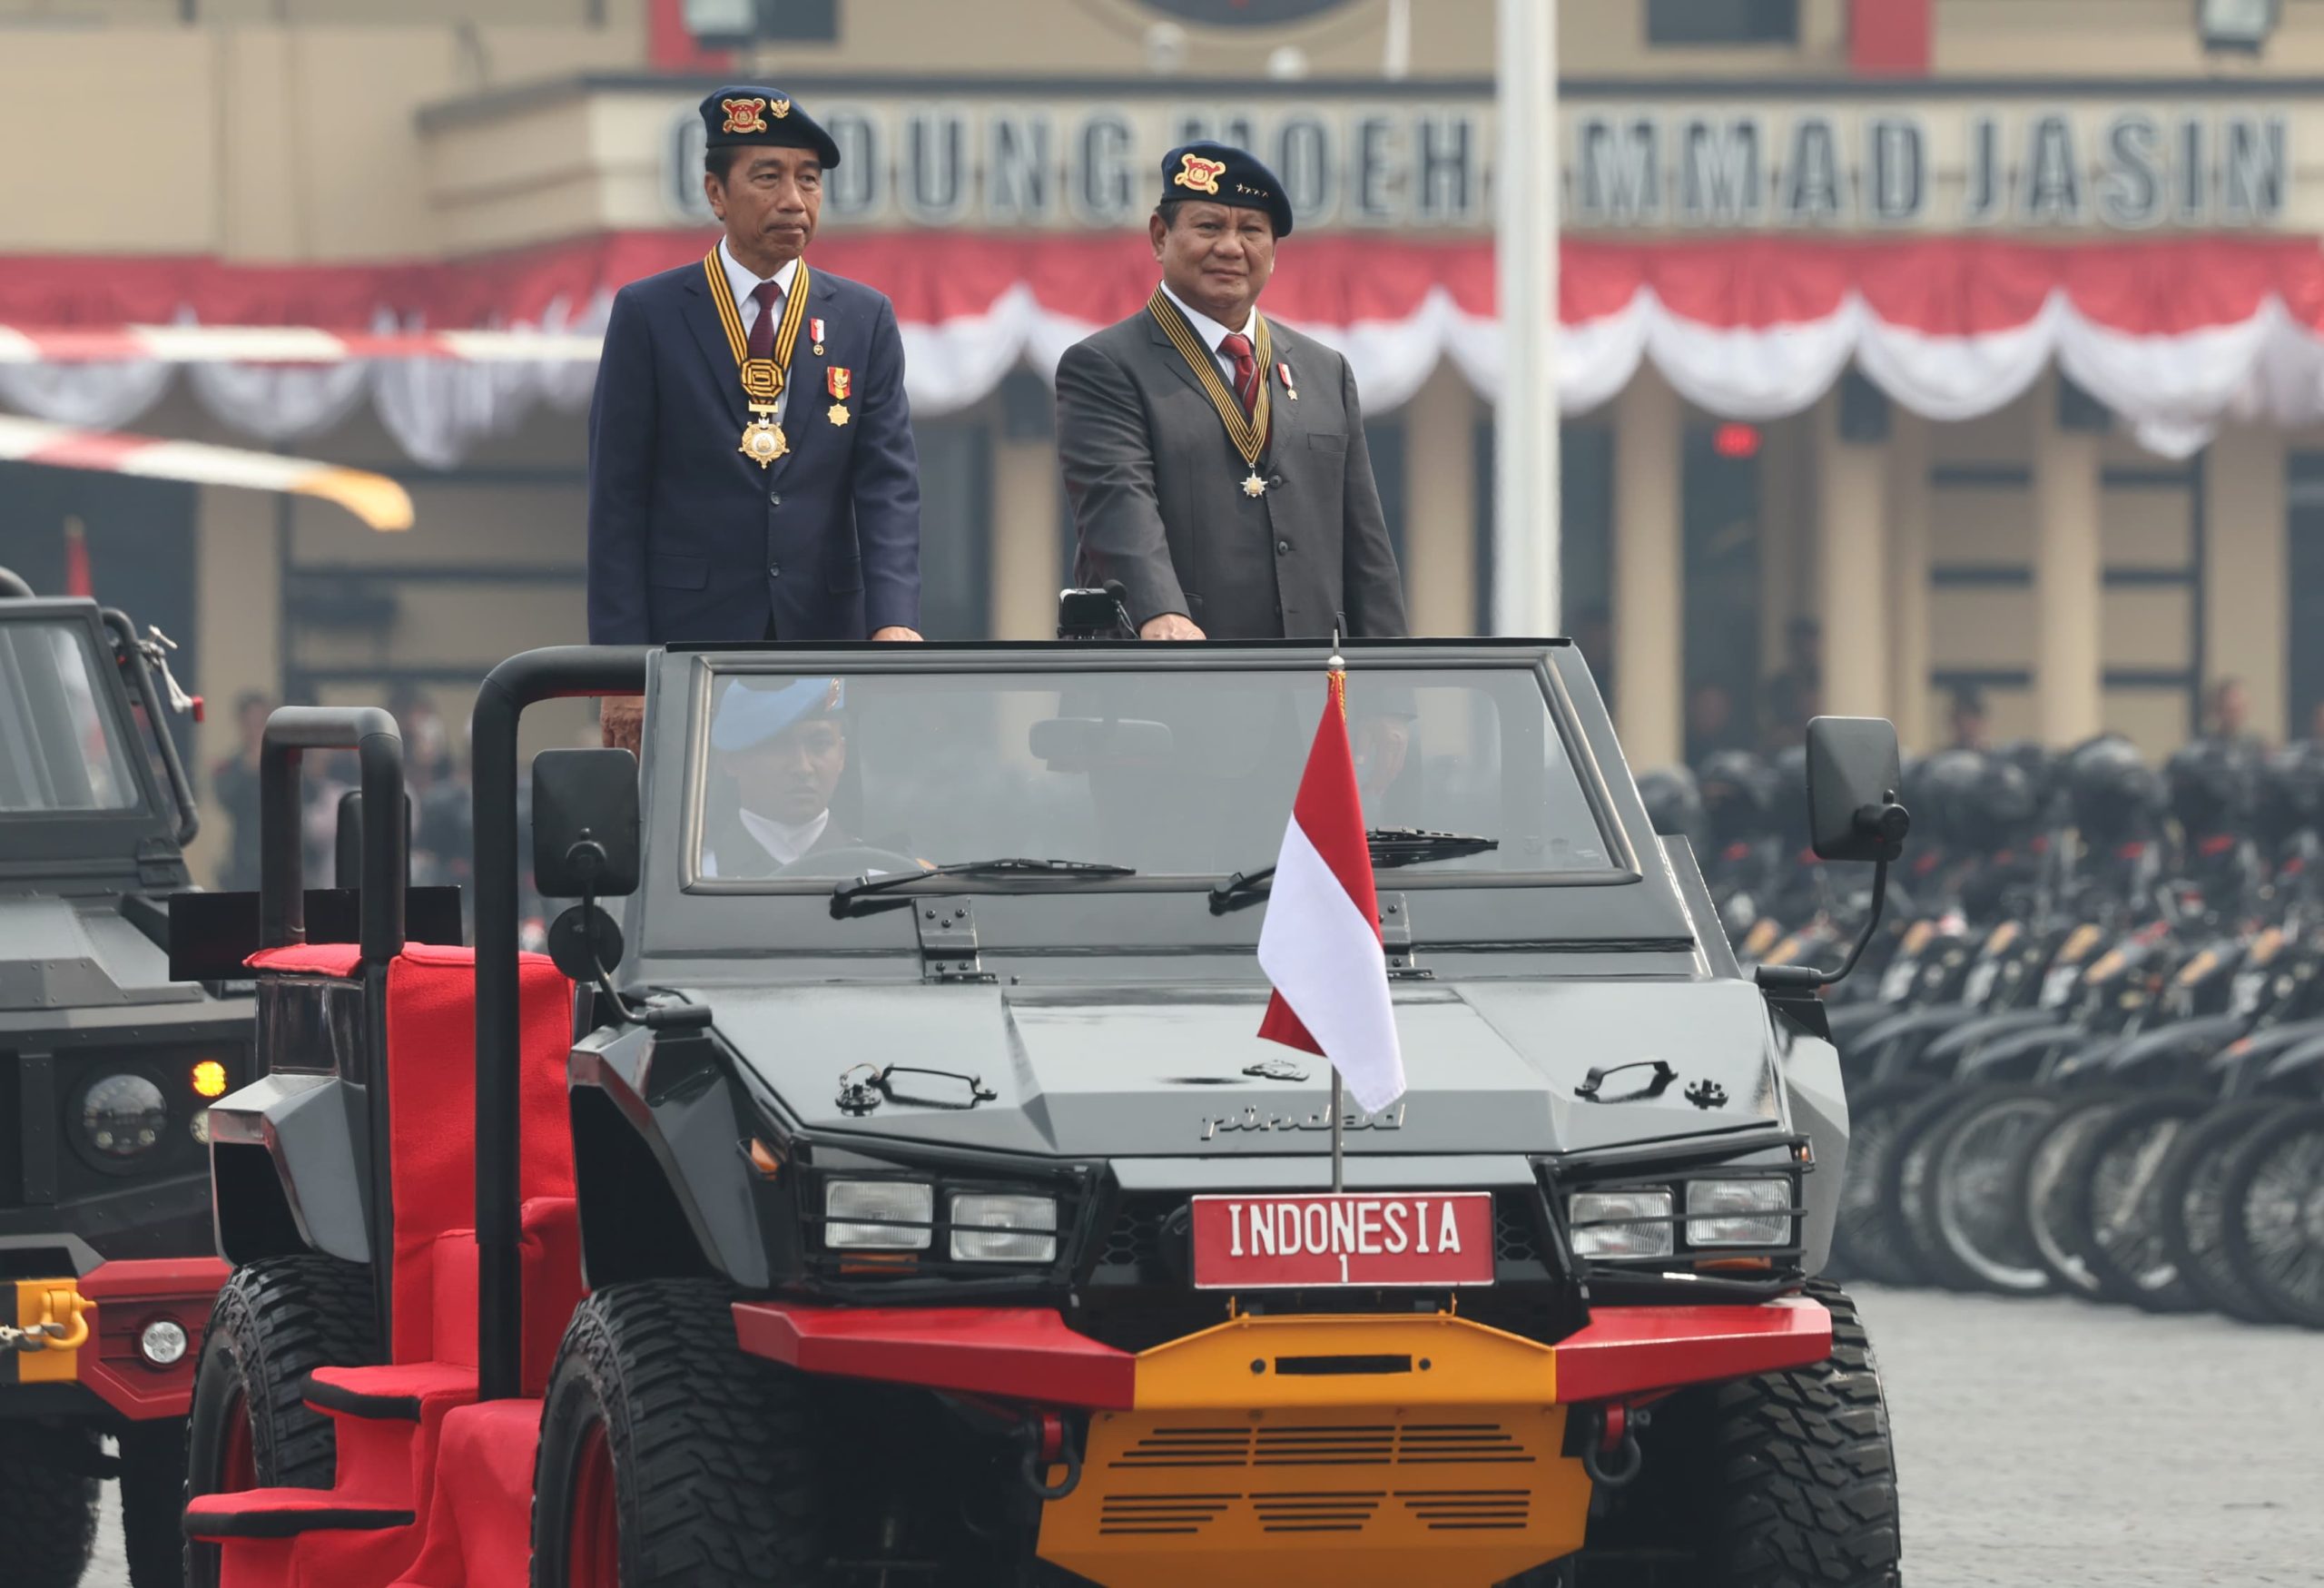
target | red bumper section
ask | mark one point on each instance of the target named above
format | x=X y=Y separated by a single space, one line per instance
x=1027 y=1353
x=130 y=1295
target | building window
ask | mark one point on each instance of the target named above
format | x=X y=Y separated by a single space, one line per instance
x=1722 y=22
x=726 y=22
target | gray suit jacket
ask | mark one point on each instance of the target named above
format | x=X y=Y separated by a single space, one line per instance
x=1157 y=492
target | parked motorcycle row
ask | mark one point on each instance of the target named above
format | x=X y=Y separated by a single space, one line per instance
x=2087 y=1055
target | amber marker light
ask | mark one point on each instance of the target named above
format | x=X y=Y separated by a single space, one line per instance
x=210 y=1078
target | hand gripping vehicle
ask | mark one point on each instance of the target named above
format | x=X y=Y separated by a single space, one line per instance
x=107 y=1066
x=876 y=1202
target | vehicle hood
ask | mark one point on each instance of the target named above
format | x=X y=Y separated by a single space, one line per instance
x=1491 y=1066
x=75 y=953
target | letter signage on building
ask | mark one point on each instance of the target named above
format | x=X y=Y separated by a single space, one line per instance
x=1936 y=164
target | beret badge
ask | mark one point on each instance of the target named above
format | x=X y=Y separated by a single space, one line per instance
x=780 y=107
x=748 y=115
x=1198 y=174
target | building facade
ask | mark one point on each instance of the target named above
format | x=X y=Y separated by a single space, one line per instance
x=1909 y=346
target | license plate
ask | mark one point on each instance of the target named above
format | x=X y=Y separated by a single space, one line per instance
x=1419 y=1238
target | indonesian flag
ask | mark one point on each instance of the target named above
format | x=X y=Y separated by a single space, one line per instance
x=1321 y=943
x=77 y=581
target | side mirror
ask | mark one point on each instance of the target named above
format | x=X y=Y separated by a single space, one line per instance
x=1083 y=614
x=585 y=823
x=1853 y=775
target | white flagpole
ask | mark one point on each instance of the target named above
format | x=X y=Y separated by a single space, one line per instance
x=1338 y=668
x=1525 y=255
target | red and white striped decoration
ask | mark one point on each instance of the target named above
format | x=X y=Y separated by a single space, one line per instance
x=375 y=499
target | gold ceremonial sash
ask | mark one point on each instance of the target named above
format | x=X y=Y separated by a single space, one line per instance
x=763 y=379
x=1249 y=433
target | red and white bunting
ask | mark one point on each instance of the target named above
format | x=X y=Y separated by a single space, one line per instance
x=1321 y=943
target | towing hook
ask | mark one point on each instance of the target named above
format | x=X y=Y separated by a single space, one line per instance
x=64 y=1326
x=1611 y=1456
x=1047 y=1439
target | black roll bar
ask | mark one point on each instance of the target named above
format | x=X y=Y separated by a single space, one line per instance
x=132 y=656
x=12 y=585
x=555 y=672
x=372 y=734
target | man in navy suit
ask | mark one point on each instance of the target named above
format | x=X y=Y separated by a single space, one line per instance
x=752 y=474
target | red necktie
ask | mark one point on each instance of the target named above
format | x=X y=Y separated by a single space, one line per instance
x=766 y=295
x=1238 y=346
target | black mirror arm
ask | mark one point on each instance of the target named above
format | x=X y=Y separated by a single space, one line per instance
x=1807 y=978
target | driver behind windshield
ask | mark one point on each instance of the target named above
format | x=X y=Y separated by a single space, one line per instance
x=782 y=749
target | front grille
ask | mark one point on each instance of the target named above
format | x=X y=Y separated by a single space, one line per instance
x=1514 y=1223
x=1383 y=1445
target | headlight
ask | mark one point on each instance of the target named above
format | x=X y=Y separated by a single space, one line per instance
x=1003 y=1230
x=1754 y=1212
x=890 y=1216
x=163 y=1342
x=1593 y=1238
x=123 y=1115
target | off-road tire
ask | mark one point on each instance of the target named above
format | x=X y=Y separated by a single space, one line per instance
x=274 y=1322
x=717 y=1474
x=2130 y=1282
x=2194 y=1208
x=2300 y=1130
x=1865 y=1238
x=48 y=1505
x=1806 y=1476
x=153 y=1503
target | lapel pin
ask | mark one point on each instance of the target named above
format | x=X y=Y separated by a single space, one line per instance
x=815 y=331
x=839 y=382
x=1290 y=390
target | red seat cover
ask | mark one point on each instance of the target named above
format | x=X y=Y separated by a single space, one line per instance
x=308 y=958
x=432 y=1081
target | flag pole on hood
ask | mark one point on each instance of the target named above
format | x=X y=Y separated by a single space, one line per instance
x=1320 y=946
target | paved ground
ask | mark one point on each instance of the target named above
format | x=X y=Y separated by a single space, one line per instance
x=2052 y=1445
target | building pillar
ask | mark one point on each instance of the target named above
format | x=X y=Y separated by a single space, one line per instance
x=1441 y=506
x=2068 y=577
x=2246 y=579
x=1787 y=504
x=1026 y=571
x=1852 y=553
x=238 y=604
x=1908 y=643
x=1649 y=574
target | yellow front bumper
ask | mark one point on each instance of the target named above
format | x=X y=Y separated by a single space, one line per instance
x=1374 y=1451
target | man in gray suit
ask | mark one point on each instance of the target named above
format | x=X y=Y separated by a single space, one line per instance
x=1216 y=460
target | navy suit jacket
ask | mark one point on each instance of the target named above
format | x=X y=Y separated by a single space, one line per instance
x=690 y=541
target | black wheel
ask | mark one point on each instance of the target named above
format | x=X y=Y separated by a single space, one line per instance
x=1865 y=1236
x=1807 y=1486
x=48 y=1503
x=2192 y=1206
x=2112 y=1186
x=274 y=1322
x=1910 y=1181
x=670 y=1459
x=1976 y=1225
x=153 y=1503
x=2039 y=1185
x=2275 y=1214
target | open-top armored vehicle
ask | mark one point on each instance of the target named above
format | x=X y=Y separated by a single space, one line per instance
x=889 y=1208
x=107 y=1265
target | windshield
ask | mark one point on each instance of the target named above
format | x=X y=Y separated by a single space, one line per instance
x=1184 y=774
x=59 y=750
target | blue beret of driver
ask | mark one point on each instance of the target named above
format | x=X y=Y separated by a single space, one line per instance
x=1220 y=173
x=750 y=714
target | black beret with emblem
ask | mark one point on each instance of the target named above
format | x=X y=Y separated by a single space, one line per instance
x=748 y=113
x=1220 y=175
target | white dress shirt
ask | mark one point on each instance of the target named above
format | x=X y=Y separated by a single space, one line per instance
x=1210 y=329
x=743 y=283
x=782 y=840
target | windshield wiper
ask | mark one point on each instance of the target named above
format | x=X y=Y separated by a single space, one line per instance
x=858 y=887
x=1390 y=846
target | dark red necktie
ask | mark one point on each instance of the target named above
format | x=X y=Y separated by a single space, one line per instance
x=766 y=295
x=1238 y=346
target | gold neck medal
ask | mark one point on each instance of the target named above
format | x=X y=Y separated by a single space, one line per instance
x=763 y=439
x=1247 y=431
